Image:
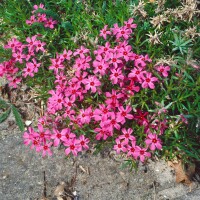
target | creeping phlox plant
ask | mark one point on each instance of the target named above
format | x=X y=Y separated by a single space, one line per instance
x=91 y=101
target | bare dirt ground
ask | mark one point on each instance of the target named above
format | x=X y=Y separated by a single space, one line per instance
x=97 y=177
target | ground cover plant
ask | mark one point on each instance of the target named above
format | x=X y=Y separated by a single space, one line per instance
x=118 y=74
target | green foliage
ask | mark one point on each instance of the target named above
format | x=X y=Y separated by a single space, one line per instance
x=18 y=118
x=181 y=44
x=10 y=108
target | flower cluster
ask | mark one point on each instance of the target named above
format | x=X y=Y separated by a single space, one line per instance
x=22 y=53
x=93 y=103
x=41 y=17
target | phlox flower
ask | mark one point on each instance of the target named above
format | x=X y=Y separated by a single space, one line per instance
x=83 y=142
x=81 y=51
x=113 y=95
x=120 y=146
x=127 y=135
x=56 y=137
x=163 y=70
x=100 y=65
x=57 y=100
x=67 y=135
x=84 y=116
x=28 y=70
x=14 y=81
x=103 y=50
x=56 y=65
x=41 y=17
x=50 y=23
x=124 y=113
x=40 y=46
x=115 y=29
x=19 y=56
x=13 y=44
x=123 y=32
x=44 y=134
x=129 y=24
x=91 y=83
x=112 y=123
x=31 y=20
x=142 y=153
x=73 y=146
x=130 y=89
x=82 y=63
x=153 y=141
x=136 y=72
x=126 y=52
x=102 y=133
x=79 y=77
x=29 y=136
x=104 y=32
x=31 y=41
x=46 y=149
x=140 y=117
x=116 y=75
x=139 y=61
x=36 y=7
x=66 y=54
x=68 y=113
x=102 y=113
x=132 y=150
x=114 y=59
x=148 y=80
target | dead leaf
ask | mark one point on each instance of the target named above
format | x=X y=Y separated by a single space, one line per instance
x=182 y=174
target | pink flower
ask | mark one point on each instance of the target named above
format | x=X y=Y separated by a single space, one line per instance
x=114 y=59
x=100 y=65
x=153 y=141
x=66 y=55
x=28 y=70
x=123 y=32
x=40 y=46
x=66 y=135
x=81 y=51
x=41 y=17
x=116 y=75
x=46 y=149
x=56 y=65
x=104 y=32
x=112 y=123
x=83 y=142
x=13 y=44
x=19 y=56
x=124 y=113
x=56 y=137
x=44 y=134
x=142 y=153
x=31 y=41
x=120 y=146
x=92 y=83
x=32 y=20
x=129 y=24
x=148 y=80
x=136 y=72
x=127 y=135
x=14 y=81
x=50 y=23
x=28 y=136
x=132 y=150
x=163 y=70
x=102 y=133
x=73 y=146
x=84 y=117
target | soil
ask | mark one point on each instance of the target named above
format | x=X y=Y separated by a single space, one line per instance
x=98 y=177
